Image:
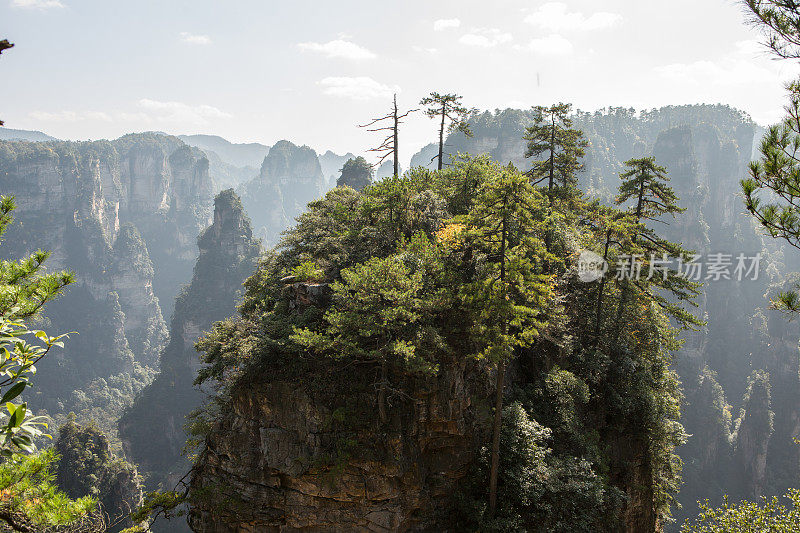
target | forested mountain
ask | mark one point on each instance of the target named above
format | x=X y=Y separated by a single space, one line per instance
x=290 y=177
x=152 y=429
x=10 y=134
x=123 y=215
x=332 y=164
x=741 y=370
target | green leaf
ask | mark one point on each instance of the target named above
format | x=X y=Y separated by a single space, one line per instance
x=14 y=391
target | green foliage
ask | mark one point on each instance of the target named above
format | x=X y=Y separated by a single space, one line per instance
x=86 y=467
x=511 y=292
x=168 y=504
x=31 y=502
x=375 y=314
x=452 y=115
x=748 y=517
x=538 y=491
x=433 y=267
x=773 y=188
x=780 y=20
x=356 y=173
x=308 y=271
x=552 y=134
x=646 y=183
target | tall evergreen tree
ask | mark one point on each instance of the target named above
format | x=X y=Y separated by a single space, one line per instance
x=646 y=183
x=30 y=502
x=451 y=114
x=510 y=298
x=562 y=146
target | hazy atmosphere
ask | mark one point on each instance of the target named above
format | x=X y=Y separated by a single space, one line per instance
x=390 y=267
x=260 y=71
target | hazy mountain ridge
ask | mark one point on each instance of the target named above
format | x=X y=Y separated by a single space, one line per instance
x=120 y=214
x=236 y=154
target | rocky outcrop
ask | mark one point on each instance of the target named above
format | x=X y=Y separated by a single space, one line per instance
x=332 y=164
x=290 y=177
x=87 y=467
x=706 y=150
x=152 y=429
x=752 y=436
x=119 y=214
x=295 y=456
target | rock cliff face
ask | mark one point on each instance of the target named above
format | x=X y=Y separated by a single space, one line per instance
x=122 y=215
x=87 y=467
x=292 y=456
x=290 y=177
x=152 y=429
x=332 y=164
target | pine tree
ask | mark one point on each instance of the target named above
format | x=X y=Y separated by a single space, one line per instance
x=375 y=316
x=510 y=297
x=772 y=192
x=30 y=502
x=646 y=183
x=452 y=115
x=781 y=20
x=553 y=136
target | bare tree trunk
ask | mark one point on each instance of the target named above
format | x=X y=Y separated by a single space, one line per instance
x=441 y=136
x=501 y=374
x=382 y=391
x=547 y=237
x=498 y=420
x=600 y=294
x=396 y=156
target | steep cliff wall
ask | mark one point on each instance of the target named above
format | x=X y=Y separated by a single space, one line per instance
x=152 y=429
x=290 y=177
x=294 y=456
x=123 y=215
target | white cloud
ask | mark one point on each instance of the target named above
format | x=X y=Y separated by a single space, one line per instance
x=152 y=112
x=191 y=38
x=553 y=16
x=736 y=68
x=485 y=37
x=359 y=88
x=37 y=4
x=179 y=112
x=59 y=116
x=423 y=49
x=552 y=45
x=444 y=24
x=339 y=48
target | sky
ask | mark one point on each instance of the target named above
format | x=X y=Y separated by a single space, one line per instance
x=311 y=71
